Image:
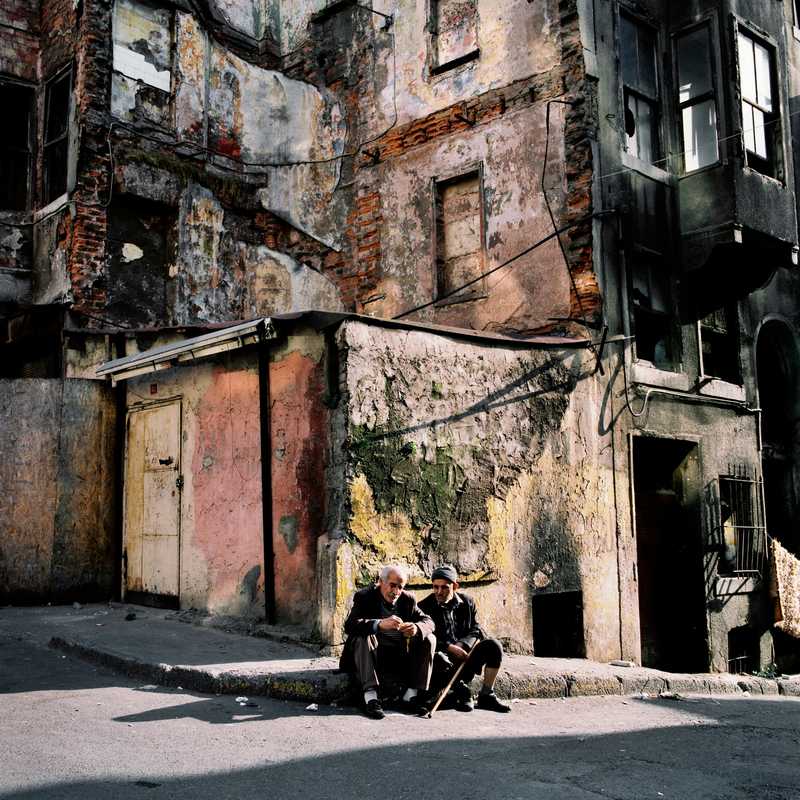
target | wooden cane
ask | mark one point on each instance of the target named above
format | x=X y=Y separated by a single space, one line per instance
x=446 y=689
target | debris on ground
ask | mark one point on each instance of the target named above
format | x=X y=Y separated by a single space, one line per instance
x=621 y=662
x=130 y=616
x=312 y=707
x=670 y=696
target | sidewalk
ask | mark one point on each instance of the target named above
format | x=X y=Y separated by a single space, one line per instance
x=160 y=647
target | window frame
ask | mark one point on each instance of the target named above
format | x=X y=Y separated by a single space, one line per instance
x=734 y=327
x=29 y=151
x=478 y=290
x=712 y=93
x=436 y=67
x=50 y=144
x=772 y=165
x=655 y=101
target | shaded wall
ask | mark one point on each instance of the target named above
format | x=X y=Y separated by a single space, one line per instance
x=59 y=491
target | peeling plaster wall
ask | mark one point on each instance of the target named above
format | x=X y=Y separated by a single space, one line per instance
x=481 y=456
x=299 y=426
x=221 y=534
x=58 y=501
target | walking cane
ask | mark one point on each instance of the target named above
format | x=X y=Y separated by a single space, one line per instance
x=446 y=689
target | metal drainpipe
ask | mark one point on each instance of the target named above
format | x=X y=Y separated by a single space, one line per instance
x=120 y=433
x=266 y=472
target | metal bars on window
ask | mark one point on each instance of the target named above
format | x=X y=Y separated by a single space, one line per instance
x=735 y=520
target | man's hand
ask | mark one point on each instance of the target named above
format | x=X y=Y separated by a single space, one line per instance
x=408 y=629
x=392 y=623
x=457 y=653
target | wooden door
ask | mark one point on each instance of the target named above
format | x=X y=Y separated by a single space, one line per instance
x=151 y=534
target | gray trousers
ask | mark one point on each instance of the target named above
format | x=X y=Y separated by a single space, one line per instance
x=410 y=669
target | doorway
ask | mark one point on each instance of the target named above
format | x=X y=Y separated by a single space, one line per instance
x=669 y=564
x=152 y=505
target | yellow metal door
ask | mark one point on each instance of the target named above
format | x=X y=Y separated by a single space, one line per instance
x=152 y=500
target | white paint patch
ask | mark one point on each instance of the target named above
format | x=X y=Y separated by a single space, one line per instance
x=131 y=252
x=135 y=66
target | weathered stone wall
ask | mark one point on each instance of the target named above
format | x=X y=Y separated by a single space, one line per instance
x=57 y=508
x=478 y=455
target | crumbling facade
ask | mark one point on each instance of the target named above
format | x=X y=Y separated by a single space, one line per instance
x=582 y=217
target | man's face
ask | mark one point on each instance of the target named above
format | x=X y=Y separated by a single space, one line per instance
x=444 y=590
x=391 y=587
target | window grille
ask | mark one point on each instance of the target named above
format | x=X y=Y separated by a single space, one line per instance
x=735 y=520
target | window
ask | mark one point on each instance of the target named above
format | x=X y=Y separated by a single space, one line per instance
x=15 y=146
x=57 y=105
x=737 y=532
x=640 y=90
x=454 y=33
x=459 y=236
x=759 y=121
x=719 y=345
x=697 y=100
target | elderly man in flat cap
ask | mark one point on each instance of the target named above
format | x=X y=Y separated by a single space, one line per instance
x=459 y=638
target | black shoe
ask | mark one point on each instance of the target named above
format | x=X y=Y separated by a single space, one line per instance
x=461 y=691
x=374 y=710
x=464 y=703
x=490 y=702
x=416 y=705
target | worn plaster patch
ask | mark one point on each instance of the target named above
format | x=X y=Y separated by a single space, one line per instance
x=288 y=530
x=131 y=252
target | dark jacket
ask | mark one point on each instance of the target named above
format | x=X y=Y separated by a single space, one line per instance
x=466 y=629
x=367 y=609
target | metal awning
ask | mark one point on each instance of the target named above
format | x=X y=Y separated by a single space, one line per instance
x=198 y=347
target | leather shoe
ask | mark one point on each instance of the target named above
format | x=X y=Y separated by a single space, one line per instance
x=464 y=703
x=490 y=702
x=374 y=710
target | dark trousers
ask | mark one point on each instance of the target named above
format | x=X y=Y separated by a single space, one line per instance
x=486 y=653
x=377 y=665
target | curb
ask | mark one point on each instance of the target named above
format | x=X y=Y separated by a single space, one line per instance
x=321 y=686
x=327 y=686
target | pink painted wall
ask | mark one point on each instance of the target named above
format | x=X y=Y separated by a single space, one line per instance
x=299 y=431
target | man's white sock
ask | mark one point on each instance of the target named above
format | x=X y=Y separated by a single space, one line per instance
x=370 y=694
x=409 y=695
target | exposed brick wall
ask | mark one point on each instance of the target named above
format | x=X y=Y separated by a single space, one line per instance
x=19 y=38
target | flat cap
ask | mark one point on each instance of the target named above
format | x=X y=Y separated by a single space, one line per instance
x=447 y=572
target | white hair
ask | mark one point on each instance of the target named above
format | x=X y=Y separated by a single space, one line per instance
x=398 y=569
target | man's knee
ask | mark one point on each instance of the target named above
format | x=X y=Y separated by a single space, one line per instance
x=429 y=644
x=493 y=652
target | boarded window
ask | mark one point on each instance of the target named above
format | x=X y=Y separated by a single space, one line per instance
x=640 y=89
x=459 y=237
x=759 y=104
x=454 y=29
x=697 y=100
x=143 y=43
x=57 y=106
x=15 y=146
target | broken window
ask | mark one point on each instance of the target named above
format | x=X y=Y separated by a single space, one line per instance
x=640 y=89
x=697 y=99
x=15 y=146
x=454 y=33
x=744 y=652
x=719 y=345
x=57 y=107
x=736 y=517
x=459 y=236
x=143 y=43
x=760 y=127
x=650 y=276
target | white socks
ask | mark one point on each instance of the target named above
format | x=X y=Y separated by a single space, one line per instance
x=409 y=695
x=370 y=694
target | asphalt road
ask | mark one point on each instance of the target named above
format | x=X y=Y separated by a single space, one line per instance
x=70 y=730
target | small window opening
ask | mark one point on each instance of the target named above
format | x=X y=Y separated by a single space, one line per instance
x=719 y=345
x=697 y=99
x=459 y=236
x=760 y=122
x=738 y=532
x=640 y=90
x=15 y=146
x=558 y=625
x=58 y=97
x=744 y=651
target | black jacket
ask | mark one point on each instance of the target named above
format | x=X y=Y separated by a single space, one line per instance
x=367 y=609
x=465 y=622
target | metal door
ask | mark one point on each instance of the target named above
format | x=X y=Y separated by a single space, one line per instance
x=151 y=535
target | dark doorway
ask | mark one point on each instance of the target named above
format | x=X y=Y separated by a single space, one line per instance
x=669 y=559
x=558 y=625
